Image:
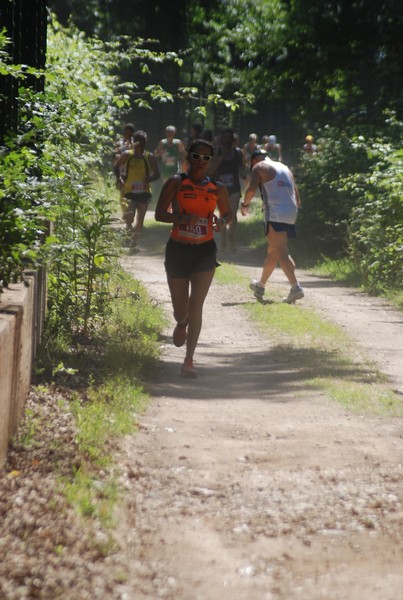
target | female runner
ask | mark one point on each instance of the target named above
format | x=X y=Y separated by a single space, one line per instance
x=188 y=201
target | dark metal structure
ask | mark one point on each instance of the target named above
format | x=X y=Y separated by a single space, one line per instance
x=25 y=24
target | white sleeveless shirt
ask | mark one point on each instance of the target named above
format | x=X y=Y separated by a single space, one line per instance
x=280 y=203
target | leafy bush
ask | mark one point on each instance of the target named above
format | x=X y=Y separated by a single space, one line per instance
x=48 y=171
x=326 y=203
x=352 y=202
x=50 y=167
x=376 y=226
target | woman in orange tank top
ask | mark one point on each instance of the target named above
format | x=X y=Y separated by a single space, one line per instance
x=189 y=201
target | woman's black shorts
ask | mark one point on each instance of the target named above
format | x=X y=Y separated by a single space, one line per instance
x=181 y=260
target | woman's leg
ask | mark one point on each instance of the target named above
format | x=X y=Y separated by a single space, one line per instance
x=179 y=289
x=200 y=284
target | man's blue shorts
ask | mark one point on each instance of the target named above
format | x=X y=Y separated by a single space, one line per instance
x=290 y=229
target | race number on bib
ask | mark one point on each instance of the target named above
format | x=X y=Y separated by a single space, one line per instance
x=137 y=186
x=227 y=179
x=196 y=230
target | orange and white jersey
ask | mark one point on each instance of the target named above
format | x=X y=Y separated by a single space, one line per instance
x=198 y=200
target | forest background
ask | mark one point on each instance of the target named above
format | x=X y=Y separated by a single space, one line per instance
x=332 y=69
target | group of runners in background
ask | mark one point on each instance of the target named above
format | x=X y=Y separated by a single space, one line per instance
x=203 y=179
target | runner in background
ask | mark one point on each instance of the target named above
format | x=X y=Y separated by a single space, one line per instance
x=265 y=141
x=228 y=166
x=122 y=144
x=273 y=149
x=194 y=134
x=281 y=203
x=171 y=152
x=141 y=168
x=248 y=148
x=309 y=146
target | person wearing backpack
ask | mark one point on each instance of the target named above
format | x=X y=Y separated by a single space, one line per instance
x=141 y=168
x=227 y=167
x=122 y=144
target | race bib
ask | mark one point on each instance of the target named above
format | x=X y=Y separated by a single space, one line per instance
x=170 y=161
x=137 y=186
x=227 y=179
x=196 y=230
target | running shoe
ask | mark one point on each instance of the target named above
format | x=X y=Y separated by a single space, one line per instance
x=296 y=293
x=257 y=289
x=187 y=369
x=179 y=334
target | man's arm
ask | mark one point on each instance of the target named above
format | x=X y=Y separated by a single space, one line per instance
x=182 y=149
x=123 y=158
x=251 y=189
x=159 y=148
x=155 y=172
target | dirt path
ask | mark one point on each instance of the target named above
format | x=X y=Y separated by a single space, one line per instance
x=244 y=484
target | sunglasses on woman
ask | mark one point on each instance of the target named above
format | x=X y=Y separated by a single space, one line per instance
x=196 y=156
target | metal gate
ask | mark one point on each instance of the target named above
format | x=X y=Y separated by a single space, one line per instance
x=25 y=23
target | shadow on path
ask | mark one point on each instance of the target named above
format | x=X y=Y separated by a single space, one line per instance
x=276 y=374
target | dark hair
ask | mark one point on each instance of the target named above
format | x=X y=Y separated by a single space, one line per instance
x=128 y=126
x=227 y=130
x=207 y=135
x=259 y=152
x=255 y=153
x=197 y=127
x=199 y=142
x=141 y=135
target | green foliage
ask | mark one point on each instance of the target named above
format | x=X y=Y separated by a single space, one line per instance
x=77 y=115
x=50 y=167
x=108 y=412
x=352 y=194
x=326 y=60
x=322 y=60
x=358 y=397
x=326 y=202
x=50 y=175
x=131 y=334
x=107 y=375
x=376 y=225
x=21 y=225
x=342 y=270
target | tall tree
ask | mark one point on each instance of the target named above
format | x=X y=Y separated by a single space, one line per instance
x=138 y=18
x=324 y=60
x=330 y=59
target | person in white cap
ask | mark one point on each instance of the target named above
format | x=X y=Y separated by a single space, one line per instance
x=273 y=149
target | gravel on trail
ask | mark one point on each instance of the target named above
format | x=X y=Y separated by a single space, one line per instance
x=242 y=484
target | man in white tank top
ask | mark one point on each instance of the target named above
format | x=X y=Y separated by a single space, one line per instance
x=281 y=202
